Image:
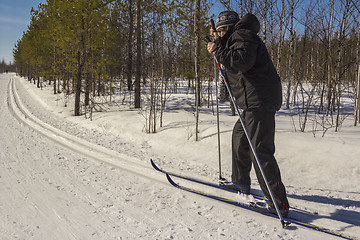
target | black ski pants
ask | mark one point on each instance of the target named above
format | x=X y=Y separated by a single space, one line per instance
x=261 y=128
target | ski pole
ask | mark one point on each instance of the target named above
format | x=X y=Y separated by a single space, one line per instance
x=217 y=109
x=283 y=223
x=218 y=119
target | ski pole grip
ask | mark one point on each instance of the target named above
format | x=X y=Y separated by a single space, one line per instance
x=214 y=28
x=212 y=24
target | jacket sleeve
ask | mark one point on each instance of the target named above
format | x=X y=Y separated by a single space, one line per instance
x=238 y=54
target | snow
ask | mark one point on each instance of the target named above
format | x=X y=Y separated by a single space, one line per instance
x=66 y=177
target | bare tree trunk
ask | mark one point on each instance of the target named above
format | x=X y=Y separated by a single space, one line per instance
x=164 y=83
x=138 y=55
x=340 y=53
x=87 y=89
x=55 y=91
x=80 y=62
x=130 y=47
x=241 y=8
x=265 y=10
x=197 y=64
x=330 y=81
x=292 y=7
x=357 y=92
x=78 y=86
x=281 y=36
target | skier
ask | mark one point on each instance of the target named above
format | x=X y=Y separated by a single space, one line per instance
x=256 y=86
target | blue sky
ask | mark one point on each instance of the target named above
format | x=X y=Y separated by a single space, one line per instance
x=14 y=19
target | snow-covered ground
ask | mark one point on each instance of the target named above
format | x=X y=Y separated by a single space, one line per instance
x=66 y=177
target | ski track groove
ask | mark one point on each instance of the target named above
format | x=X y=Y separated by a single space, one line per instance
x=83 y=147
x=126 y=216
x=32 y=202
x=115 y=160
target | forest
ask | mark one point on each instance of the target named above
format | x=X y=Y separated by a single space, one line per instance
x=7 y=67
x=94 y=48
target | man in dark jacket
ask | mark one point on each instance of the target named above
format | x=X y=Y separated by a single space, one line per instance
x=256 y=87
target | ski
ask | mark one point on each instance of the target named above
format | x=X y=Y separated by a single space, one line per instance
x=203 y=182
x=252 y=207
x=218 y=186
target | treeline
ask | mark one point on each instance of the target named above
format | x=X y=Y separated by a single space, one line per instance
x=87 y=45
x=7 y=67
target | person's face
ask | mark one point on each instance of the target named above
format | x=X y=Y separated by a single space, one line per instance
x=223 y=30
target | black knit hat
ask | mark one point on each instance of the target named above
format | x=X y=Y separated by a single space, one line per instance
x=227 y=18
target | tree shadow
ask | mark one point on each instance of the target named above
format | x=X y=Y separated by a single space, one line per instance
x=341 y=215
x=348 y=217
x=327 y=200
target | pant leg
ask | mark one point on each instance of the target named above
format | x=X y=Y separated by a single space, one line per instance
x=261 y=128
x=241 y=158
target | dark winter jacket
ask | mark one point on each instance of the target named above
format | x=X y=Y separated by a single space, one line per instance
x=252 y=76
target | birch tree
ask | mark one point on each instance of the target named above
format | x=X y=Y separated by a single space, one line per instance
x=197 y=64
x=291 y=52
x=357 y=88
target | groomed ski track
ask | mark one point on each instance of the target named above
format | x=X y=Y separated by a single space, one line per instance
x=81 y=146
x=164 y=203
